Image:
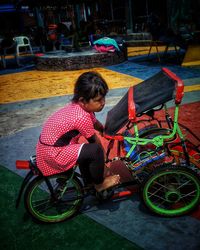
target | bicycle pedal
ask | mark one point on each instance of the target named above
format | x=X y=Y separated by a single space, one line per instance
x=105 y=194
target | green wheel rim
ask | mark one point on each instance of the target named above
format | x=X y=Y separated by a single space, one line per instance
x=43 y=209
x=162 y=203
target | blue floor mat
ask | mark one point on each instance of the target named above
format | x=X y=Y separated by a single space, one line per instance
x=144 y=70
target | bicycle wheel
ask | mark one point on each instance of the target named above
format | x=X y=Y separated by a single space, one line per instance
x=64 y=204
x=171 y=191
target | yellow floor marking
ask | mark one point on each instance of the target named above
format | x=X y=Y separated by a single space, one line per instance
x=137 y=51
x=43 y=84
x=192 y=88
x=192 y=56
x=144 y=50
x=194 y=63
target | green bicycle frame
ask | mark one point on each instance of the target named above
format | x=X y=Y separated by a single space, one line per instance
x=157 y=140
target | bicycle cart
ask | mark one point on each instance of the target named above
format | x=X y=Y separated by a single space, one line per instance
x=164 y=165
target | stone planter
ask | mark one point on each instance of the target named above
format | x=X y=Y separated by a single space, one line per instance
x=61 y=60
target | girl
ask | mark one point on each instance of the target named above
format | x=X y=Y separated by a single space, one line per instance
x=58 y=149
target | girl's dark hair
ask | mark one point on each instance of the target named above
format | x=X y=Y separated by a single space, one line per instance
x=89 y=85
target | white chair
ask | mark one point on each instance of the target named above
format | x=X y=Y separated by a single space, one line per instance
x=22 y=42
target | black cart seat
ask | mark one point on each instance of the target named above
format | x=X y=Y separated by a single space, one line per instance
x=158 y=89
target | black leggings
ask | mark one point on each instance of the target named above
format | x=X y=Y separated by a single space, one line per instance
x=91 y=163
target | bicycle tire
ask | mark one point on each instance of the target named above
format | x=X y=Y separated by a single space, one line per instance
x=171 y=191
x=42 y=207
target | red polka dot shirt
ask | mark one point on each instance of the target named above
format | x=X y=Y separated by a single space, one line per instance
x=53 y=159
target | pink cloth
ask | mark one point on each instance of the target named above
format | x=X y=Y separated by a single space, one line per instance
x=103 y=48
x=53 y=160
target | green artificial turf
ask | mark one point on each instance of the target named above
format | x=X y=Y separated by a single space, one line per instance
x=19 y=232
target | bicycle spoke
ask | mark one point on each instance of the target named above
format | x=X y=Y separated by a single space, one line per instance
x=154 y=195
x=43 y=207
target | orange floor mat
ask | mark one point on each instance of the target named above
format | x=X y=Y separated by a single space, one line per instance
x=43 y=84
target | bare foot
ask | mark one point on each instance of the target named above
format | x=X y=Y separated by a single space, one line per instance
x=108 y=182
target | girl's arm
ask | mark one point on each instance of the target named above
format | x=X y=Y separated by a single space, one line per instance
x=94 y=139
x=99 y=127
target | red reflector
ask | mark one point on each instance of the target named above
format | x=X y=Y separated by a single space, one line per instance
x=22 y=164
x=39 y=54
x=122 y=194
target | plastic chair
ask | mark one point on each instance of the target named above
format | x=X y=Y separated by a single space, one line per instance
x=66 y=42
x=7 y=48
x=22 y=42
